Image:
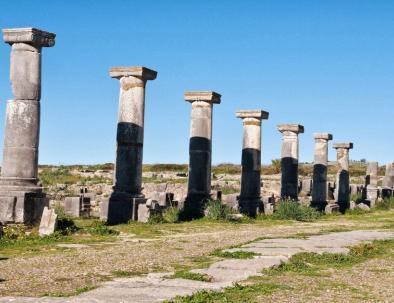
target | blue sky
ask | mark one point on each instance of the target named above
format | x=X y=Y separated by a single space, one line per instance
x=325 y=64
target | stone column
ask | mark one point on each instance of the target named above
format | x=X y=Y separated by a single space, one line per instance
x=21 y=198
x=200 y=148
x=130 y=139
x=371 y=182
x=250 y=197
x=319 y=187
x=342 y=190
x=289 y=161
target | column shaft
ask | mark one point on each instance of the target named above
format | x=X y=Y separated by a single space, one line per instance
x=20 y=156
x=200 y=149
x=250 y=196
x=123 y=203
x=289 y=161
x=319 y=188
x=130 y=136
x=251 y=159
x=342 y=190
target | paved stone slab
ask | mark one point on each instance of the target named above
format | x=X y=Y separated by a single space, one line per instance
x=155 y=287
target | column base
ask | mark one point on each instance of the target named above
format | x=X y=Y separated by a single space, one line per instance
x=249 y=206
x=387 y=193
x=319 y=205
x=21 y=206
x=194 y=206
x=121 y=208
x=343 y=206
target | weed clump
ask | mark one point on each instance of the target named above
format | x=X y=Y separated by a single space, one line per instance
x=386 y=204
x=100 y=228
x=171 y=215
x=184 y=274
x=66 y=226
x=234 y=254
x=291 y=210
x=215 y=210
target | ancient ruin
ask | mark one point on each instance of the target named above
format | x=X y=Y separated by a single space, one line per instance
x=21 y=197
x=388 y=181
x=200 y=149
x=342 y=191
x=250 y=197
x=319 y=188
x=289 y=160
x=371 y=183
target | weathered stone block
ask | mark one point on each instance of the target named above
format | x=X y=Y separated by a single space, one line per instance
x=268 y=209
x=72 y=206
x=331 y=208
x=7 y=209
x=363 y=206
x=146 y=210
x=48 y=222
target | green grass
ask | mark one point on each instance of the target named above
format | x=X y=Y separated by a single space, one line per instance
x=121 y=273
x=77 y=291
x=308 y=264
x=62 y=175
x=188 y=275
x=234 y=255
x=386 y=204
x=227 y=190
x=239 y=293
x=312 y=263
x=69 y=231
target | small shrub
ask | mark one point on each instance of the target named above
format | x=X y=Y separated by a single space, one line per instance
x=291 y=210
x=171 y=215
x=100 y=228
x=66 y=226
x=14 y=232
x=155 y=218
x=215 y=210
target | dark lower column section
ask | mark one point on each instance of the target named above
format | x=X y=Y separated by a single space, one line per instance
x=249 y=200
x=289 y=184
x=199 y=177
x=319 y=187
x=128 y=173
x=343 y=191
x=122 y=207
x=128 y=169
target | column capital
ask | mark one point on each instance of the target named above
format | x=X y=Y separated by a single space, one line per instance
x=252 y=113
x=29 y=35
x=344 y=145
x=141 y=72
x=322 y=136
x=294 y=128
x=205 y=96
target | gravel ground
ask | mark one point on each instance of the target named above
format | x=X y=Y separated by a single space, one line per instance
x=65 y=270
